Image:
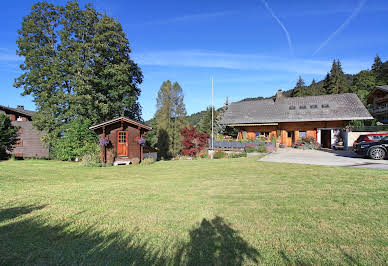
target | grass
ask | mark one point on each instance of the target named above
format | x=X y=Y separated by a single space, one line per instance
x=221 y=212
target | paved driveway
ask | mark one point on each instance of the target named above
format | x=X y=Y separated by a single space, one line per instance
x=324 y=157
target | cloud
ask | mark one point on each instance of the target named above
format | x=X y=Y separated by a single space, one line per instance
x=342 y=27
x=246 y=62
x=188 y=18
x=281 y=25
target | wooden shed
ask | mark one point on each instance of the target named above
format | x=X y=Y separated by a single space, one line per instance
x=119 y=139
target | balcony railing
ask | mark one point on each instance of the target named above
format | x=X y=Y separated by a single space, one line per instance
x=378 y=110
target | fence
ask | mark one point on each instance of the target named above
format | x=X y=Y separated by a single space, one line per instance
x=369 y=128
x=239 y=145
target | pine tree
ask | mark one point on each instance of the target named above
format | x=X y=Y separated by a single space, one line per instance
x=313 y=88
x=337 y=79
x=299 y=89
x=170 y=118
x=363 y=83
x=377 y=65
x=326 y=85
x=77 y=65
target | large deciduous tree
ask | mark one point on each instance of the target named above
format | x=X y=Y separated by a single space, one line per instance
x=170 y=118
x=77 y=64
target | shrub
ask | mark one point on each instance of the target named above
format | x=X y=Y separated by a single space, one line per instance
x=219 y=155
x=203 y=155
x=261 y=148
x=91 y=160
x=77 y=141
x=237 y=155
x=135 y=160
x=193 y=142
x=8 y=135
x=307 y=143
x=147 y=161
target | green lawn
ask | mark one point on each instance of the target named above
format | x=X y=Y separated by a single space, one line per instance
x=221 y=212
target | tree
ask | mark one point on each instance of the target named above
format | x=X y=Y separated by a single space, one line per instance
x=377 y=65
x=77 y=64
x=171 y=114
x=326 y=84
x=337 y=80
x=205 y=124
x=299 y=89
x=314 y=88
x=193 y=142
x=8 y=135
x=363 y=83
x=77 y=141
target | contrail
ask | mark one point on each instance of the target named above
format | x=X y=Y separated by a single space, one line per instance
x=342 y=27
x=281 y=25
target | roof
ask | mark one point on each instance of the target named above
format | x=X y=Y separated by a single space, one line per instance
x=20 y=111
x=122 y=118
x=297 y=109
x=377 y=88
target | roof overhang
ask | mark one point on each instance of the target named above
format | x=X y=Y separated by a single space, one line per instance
x=244 y=125
x=124 y=119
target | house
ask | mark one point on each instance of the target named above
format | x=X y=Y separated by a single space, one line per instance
x=291 y=118
x=378 y=102
x=29 y=143
x=121 y=136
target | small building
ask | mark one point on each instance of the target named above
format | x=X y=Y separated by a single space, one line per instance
x=29 y=143
x=290 y=118
x=378 y=102
x=121 y=136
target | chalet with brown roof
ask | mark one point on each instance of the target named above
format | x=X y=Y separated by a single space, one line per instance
x=291 y=118
x=378 y=102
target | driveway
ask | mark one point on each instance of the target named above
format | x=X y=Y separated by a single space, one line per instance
x=324 y=157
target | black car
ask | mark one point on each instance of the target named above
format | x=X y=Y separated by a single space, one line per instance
x=376 y=150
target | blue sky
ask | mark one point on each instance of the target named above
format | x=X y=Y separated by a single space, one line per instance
x=251 y=48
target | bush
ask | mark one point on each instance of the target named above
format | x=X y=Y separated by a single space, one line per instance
x=307 y=143
x=91 y=160
x=135 y=160
x=77 y=141
x=147 y=161
x=237 y=155
x=219 y=155
x=203 y=155
x=261 y=148
x=8 y=136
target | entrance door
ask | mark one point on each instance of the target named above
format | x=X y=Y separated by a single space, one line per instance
x=326 y=138
x=122 y=143
x=290 y=138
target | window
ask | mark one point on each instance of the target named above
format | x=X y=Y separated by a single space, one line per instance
x=122 y=137
x=302 y=107
x=19 y=118
x=292 y=107
x=325 y=105
x=313 y=106
x=302 y=134
x=289 y=134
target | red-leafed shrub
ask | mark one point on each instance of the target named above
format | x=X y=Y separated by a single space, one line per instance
x=193 y=142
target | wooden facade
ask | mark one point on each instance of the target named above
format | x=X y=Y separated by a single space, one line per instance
x=122 y=135
x=288 y=133
x=29 y=143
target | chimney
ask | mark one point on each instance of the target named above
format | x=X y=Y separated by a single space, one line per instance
x=279 y=96
x=20 y=107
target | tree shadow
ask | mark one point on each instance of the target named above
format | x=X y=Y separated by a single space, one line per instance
x=33 y=240
x=215 y=242
x=163 y=145
x=11 y=213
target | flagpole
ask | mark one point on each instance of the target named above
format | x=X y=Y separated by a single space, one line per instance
x=212 y=114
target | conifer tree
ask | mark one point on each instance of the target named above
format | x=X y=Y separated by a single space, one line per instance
x=299 y=89
x=337 y=80
x=313 y=88
x=170 y=117
x=326 y=84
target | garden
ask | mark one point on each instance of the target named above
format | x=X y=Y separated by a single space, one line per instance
x=237 y=211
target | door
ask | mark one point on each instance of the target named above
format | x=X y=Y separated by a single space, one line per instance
x=290 y=138
x=122 y=143
x=326 y=138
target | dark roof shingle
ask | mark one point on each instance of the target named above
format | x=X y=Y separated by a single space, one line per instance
x=340 y=107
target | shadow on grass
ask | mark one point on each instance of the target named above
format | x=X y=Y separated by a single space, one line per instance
x=215 y=242
x=33 y=241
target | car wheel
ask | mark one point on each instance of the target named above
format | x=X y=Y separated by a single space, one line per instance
x=377 y=153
